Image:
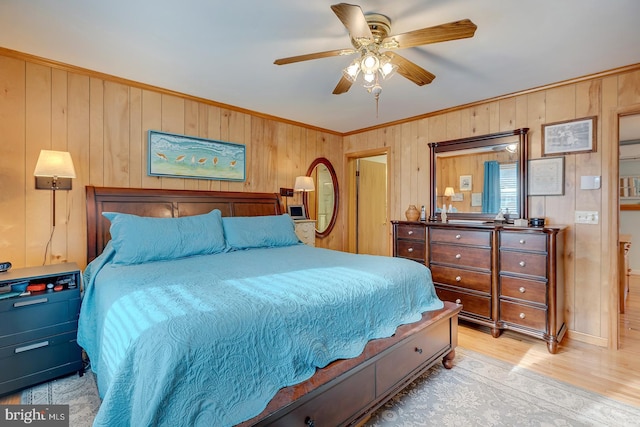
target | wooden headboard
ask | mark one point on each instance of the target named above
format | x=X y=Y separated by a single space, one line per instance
x=167 y=203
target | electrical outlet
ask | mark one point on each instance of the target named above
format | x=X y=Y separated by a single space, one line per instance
x=586 y=217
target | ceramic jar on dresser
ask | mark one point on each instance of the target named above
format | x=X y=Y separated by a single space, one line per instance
x=505 y=277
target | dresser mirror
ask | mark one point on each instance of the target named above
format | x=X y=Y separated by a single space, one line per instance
x=322 y=204
x=476 y=178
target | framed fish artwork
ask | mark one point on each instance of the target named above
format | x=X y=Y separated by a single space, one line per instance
x=181 y=156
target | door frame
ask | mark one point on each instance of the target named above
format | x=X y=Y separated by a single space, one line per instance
x=349 y=232
x=614 y=224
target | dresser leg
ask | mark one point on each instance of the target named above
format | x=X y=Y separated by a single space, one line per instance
x=447 y=360
x=495 y=332
x=552 y=346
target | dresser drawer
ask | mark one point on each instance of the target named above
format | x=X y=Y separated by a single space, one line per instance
x=523 y=241
x=472 y=304
x=523 y=315
x=527 y=290
x=411 y=231
x=462 y=278
x=461 y=256
x=463 y=237
x=334 y=406
x=410 y=249
x=409 y=356
x=531 y=264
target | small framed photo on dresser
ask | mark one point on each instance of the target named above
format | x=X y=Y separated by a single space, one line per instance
x=297 y=212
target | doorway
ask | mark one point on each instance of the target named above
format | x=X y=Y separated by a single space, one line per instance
x=367 y=181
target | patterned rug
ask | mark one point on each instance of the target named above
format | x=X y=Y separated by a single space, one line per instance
x=478 y=391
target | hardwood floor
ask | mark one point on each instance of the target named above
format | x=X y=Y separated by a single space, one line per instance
x=612 y=373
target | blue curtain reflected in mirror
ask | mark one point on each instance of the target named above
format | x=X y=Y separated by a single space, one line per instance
x=491 y=188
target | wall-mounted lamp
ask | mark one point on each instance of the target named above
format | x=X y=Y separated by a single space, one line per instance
x=54 y=171
x=449 y=192
x=304 y=184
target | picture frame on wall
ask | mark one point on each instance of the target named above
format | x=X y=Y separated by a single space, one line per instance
x=546 y=176
x=465 y=182
x=181 y=156
x=569 y=136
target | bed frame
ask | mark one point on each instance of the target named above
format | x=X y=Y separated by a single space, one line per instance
x=346 y=391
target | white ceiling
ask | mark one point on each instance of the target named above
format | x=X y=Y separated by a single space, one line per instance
x=224 y=50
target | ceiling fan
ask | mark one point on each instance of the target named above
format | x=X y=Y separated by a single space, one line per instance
x=370 y=37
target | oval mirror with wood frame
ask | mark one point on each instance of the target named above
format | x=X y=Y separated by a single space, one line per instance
x=475 y=178
x=322 y=204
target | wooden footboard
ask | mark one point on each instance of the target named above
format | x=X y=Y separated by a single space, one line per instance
x=346 y=392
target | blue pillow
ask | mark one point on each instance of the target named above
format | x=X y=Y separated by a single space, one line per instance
x=244 y=232
x=138 y=239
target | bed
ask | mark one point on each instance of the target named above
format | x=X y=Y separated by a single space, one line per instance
x=235 y=333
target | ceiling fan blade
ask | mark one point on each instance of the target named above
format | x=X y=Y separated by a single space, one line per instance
x=317 y=55
x=440 y=33
x=352 y=17
x=343 y=86
x=410 y=70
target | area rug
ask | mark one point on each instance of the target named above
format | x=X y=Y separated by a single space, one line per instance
x=483 y=391
x=478 y=391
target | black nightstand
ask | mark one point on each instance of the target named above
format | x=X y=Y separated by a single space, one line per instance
x=38 y=332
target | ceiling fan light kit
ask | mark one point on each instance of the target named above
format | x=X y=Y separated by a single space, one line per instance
x=369 y=33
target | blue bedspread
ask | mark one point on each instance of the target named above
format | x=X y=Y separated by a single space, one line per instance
x=209 y=340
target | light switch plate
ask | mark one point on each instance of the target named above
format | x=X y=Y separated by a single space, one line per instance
x=587 y=217
x=590 y=182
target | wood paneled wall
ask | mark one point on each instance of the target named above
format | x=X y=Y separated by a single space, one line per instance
x=587 y=247
x=103 y=123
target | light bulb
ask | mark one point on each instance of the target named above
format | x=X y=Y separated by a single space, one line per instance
x=370 y=63
x=352 y=71
x=388 y=69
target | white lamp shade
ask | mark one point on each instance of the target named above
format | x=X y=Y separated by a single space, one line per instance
x=448 y=192
x=304 y=183
x=55 y=163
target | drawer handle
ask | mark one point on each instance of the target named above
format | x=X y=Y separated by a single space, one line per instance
x=522 y=241
x=522 y=315
x=410 y=250
x=410 y=232
x=309 y=422
x=458 y=256
x=458 y=301
x=522 y=289
x=458 y=278
x=458 y=236
x=522 y=263
x=31 y=347
x=418 y=350
x=30 y=302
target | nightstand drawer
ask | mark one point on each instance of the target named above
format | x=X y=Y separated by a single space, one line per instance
x=28 y=358
x=48 y=313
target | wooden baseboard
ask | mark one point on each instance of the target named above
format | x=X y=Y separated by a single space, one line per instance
x=586 y=338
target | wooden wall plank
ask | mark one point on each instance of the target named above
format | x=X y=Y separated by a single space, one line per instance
x=78 y=145
x=15 y=176
x=173 y=122
x=38 y=137
x=116 y=135
x=96 y=132
x=151 y=120
x=58 y=247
